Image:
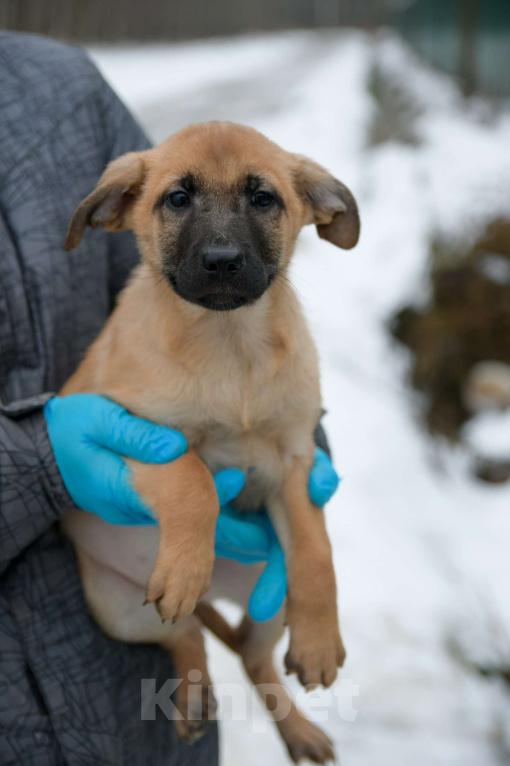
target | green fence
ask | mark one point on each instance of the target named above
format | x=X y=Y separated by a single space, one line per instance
x=470 y=38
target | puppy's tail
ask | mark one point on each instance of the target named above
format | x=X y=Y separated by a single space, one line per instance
x=213 y=621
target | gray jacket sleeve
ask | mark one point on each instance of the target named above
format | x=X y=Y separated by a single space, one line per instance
x=61 y=125
x=32 y=495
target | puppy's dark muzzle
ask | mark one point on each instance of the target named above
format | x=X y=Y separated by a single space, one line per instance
x=222 y=263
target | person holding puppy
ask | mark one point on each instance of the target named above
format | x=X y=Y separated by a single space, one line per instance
x=70 y=695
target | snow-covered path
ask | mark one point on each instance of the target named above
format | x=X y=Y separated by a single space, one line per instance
x=421 y=550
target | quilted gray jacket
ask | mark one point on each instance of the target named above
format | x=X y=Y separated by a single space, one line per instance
x=68 y=694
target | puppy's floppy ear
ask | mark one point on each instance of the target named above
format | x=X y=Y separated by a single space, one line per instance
x=110 y=201
x=333 y=208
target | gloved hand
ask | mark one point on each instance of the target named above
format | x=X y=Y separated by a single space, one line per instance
x=88 y=434
x=250 y=537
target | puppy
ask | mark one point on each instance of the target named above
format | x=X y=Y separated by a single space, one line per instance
x=208 y=337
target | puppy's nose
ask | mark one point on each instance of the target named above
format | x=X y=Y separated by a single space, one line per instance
x=222 y=262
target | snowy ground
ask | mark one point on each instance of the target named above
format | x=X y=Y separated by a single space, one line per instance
x=421 y=549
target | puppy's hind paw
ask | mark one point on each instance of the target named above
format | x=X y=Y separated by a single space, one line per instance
x=196 y=713
x=310 y=743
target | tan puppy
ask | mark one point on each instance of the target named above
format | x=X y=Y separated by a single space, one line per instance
x=209 y=338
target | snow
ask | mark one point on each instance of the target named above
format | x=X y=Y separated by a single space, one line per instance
x=421 y=547
x=496 y=268
x=488 y=434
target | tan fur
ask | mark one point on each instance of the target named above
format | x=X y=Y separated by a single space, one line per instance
x=243 y=387
x=183 y=496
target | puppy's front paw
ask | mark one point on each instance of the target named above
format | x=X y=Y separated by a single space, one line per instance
x=315 y=655
x=308 y=742
x=176 y=584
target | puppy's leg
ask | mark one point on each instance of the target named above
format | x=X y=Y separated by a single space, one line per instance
x=194 y=696
x=117 y=606
x=255 y=642
x=183 y=496
x=316 y=648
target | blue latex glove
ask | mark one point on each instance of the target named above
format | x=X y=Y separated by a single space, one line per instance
x=250 y=538
x=88 y=434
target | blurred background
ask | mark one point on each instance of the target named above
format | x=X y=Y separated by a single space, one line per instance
x=407 y=103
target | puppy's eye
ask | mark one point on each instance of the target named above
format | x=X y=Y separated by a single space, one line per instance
x=262 y=199
x=177 y=199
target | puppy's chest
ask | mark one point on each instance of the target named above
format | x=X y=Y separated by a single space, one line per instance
x=241 y=416
x=233 y=408
x=237 y=410
x=250 y=436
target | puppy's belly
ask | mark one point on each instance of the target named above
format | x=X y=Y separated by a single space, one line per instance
x=252 y=452
x=128 y=550
x=131 y=552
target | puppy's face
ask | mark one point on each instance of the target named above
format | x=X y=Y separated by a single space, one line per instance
x=216 y=209
x=220 y=206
